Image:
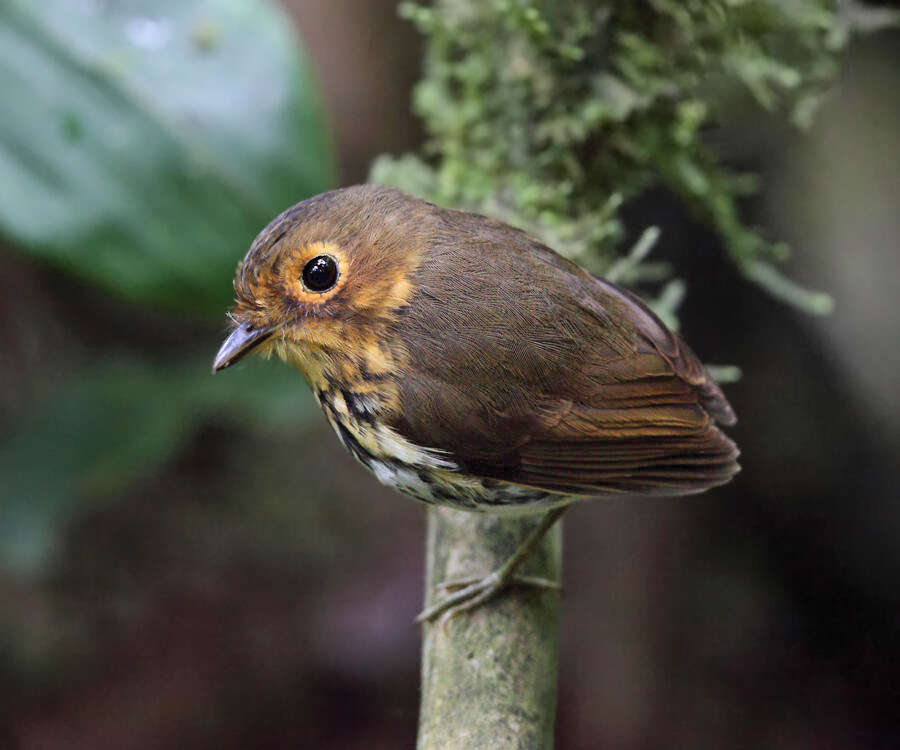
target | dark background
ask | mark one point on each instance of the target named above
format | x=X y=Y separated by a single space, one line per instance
x=256 y=589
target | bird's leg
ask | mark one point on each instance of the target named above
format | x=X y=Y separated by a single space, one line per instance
x=479 y=590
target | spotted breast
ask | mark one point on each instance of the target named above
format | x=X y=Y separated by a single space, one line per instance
x=422 y=473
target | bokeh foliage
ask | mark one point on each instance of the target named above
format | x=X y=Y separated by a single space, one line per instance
x=143 y=144
x=552 y=114
x=142 y=147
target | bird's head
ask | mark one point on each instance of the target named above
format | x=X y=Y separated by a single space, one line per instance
x=321 y=278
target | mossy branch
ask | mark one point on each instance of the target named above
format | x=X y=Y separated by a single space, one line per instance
x=551 y=114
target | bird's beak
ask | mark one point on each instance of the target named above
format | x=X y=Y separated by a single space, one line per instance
x=240 y=343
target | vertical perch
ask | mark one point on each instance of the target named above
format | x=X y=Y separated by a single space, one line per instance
x=489 y=676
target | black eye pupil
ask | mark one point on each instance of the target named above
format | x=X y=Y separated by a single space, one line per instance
x=320 y=273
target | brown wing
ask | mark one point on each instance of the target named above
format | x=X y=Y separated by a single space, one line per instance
x=647 y=427
x=526 y=369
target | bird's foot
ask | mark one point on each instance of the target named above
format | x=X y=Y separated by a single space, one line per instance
x=469 y=593
x=446 y=587
x=476 y=591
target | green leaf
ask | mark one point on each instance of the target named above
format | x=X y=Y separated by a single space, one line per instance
x=113 y=423
x=143 y=144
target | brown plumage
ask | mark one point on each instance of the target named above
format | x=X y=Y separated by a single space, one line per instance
x=529 y=370
x=504 y=362
x=466 y=364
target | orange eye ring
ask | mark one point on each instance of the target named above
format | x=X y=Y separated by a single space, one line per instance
x=317 y=273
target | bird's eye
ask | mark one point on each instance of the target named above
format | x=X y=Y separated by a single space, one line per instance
x=320 y=273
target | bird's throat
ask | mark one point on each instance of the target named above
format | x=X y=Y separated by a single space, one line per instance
x=311 y=363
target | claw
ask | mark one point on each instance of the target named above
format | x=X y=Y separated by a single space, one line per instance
x=446 y=587
x=462 y=600
x=474 y=592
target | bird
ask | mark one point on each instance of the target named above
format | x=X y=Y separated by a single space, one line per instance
x=468 y=365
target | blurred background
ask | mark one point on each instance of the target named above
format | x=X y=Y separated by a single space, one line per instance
x=188 y=561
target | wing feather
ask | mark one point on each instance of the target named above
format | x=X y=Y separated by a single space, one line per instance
x=547 y=377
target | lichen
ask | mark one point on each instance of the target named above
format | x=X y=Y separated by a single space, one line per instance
x=552 y=114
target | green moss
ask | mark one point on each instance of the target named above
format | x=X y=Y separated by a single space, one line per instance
x=552 y=114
